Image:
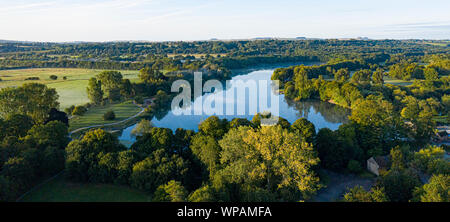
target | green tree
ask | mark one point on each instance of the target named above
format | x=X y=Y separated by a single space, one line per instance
x=111 y=82
x=207 y=150
x=213 y=126
x=144 y=126
x=436 y=190
x=342 y=75
x=377 y=76
x=109 y=115
x=94 y=91
x=32 y=99
x=52 y=134
x=82 y=155
x=17 y=125
x=202 y=194
x=272 y=157
x=156 y=138
x=359 y=194
x=158 y=168
x=305 y=129
x=430 y=73
x=400 y=184
x=79 y=110
x=361 y=76
x=173 y=191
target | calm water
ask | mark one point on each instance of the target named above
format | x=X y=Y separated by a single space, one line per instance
x=321 y=114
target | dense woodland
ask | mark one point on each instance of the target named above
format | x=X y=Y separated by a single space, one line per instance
x=236 y=160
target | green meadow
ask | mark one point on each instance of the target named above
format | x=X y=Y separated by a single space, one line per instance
x=60 y=190
x=71 y=91
x=94 y=116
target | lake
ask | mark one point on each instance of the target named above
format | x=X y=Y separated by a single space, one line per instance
x=321 y=114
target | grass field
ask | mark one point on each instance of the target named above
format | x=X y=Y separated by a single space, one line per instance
x=389 y=80
x=94 y=116
x=71 y=91
x=59 y=190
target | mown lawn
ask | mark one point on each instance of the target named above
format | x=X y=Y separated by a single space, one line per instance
x=94 y=116
x=60 y=190
x=71 y=91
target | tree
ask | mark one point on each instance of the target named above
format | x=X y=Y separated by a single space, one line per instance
x=20 y=174
x=213 y=126
x=207 y=150
x=82 y=156
x=237 y=122
x=126 y=88
x=54 y=114
x=125 y=161
x=79 y=110
x=378 y=125
x=354 y=166
x=54 y=160
x=52 y=134
x=361 y=76
x=342 y=75
x=156 y=138
x=272 y=157
x=436 y=190
x=17 y=125
x=158 y=168
x=173 y=191
x=332 y=155
x=305 y=129
x=202 y=194
x=109 y=115
x=94 y=91
x=144 y=126
x=32 y=99
x=150 y=74
x=377 y=76
x=399 y=184
x=111 y=81
x=359 y=194
x=303 y=84
x=430 y=73
x=397 y=159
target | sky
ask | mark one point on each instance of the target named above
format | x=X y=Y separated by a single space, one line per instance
x=173 y=20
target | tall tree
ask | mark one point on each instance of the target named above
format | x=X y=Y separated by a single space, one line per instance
x=94 y=91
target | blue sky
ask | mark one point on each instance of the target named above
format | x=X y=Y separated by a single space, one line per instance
x=160 y=20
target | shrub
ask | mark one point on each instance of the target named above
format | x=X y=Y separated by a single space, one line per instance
x=32 y=78
x=53 y=77
x=69 y=110
x=79 y=111
x=65 y=78
x=110 y=115
x=139 y=99
x=354 y=166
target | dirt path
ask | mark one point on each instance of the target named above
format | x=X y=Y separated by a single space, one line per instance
x=338 y=186
x=109 y=124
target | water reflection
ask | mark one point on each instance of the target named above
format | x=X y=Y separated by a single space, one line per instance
x=321 y=114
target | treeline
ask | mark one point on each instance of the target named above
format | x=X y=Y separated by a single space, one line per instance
x=228 y=54
x=224 y=161
x=33 y=137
